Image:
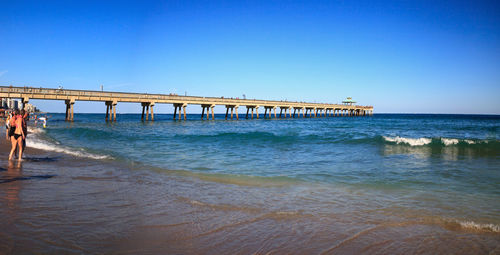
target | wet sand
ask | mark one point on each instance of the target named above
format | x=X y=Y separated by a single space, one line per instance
x=56 y=203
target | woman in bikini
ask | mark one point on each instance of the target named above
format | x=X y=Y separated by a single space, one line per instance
x=18 y=135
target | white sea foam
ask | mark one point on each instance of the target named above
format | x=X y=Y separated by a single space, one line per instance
x=478 y=226
x=35 y=141
x=449 y=141
x=471 y=142
x=35 y=130
x=424 y=141
x=409 y=141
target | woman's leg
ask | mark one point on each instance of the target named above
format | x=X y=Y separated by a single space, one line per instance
x=20 y=146
x=13 y=142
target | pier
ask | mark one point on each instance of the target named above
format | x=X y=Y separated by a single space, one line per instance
x=148 y=101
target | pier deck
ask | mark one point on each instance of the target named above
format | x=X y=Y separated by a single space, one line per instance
x=147 y=101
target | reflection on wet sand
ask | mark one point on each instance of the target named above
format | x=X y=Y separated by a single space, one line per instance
x=14 y=171
x=9 y=202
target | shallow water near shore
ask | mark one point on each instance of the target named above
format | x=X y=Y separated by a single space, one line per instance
x=383 y=184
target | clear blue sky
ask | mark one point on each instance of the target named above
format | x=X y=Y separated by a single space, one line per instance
x=400 y=56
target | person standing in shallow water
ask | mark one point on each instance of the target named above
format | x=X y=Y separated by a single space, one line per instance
x=18 y=135
x=25 y=115
x=7 y=126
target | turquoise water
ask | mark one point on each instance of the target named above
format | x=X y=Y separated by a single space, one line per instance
x=435 y=165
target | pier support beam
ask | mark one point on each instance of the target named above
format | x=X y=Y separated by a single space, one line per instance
x=150 y=104
x=205 y=107
x=267 y=113
x=234 y=108
x=184 y=109
x=175 y=111
x=108 y=106
x=181 y=107
x=72 y=110
x=252 y=108
x=145 y=108
x=111 y=110
x=24 y=102
x=69 y=109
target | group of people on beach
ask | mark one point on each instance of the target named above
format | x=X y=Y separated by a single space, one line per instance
x=16 y=131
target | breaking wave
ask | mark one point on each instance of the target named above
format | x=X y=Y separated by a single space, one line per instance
x=409 y=141
x=36 y=141
x=471 y=225
x=436 y=141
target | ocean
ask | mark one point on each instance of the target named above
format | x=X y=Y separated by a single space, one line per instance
x=387 y=183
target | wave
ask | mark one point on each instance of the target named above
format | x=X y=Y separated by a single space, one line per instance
x=463 y=225
x=37 y=142
x=409 y=141
x=484 y=227
x=436 y=141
